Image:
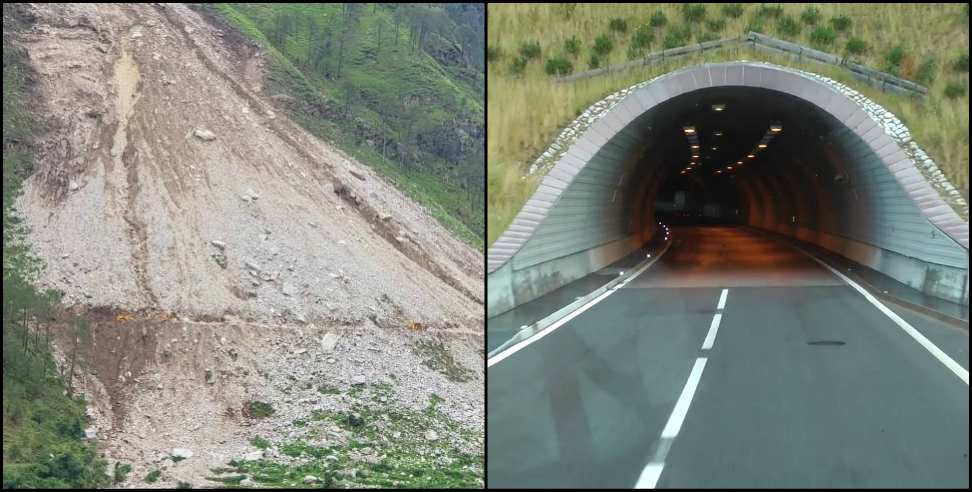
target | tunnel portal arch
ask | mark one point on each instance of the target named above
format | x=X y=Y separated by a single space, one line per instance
x=594 y=204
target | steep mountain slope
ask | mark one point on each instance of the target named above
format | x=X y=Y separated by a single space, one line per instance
x=401 y=86
x=169 y=185
x=225 y=256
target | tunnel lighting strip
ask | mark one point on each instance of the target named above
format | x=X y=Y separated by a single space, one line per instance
x=774 y=129
x=694 y=147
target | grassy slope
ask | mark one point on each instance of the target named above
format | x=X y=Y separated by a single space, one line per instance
x=42 y=427
x=451 y=192
x=525 y=113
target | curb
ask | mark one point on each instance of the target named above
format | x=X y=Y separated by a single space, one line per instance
x=538 y=327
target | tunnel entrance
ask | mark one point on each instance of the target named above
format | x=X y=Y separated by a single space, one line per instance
x=742 y=143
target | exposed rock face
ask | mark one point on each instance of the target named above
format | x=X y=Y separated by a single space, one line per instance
x=164 y=168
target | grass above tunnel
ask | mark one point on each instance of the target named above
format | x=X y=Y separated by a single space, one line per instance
x=526 y=111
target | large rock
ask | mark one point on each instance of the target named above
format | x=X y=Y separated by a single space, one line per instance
x=182 y=453
x=254 y=456
x=328 y=342
x=204 y=134
x=310 y=479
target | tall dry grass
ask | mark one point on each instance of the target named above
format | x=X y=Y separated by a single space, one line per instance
x=526 y=112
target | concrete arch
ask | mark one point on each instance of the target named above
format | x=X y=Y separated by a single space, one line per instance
x=595 y=203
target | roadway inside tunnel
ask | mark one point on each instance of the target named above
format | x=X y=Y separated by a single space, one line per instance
x=806 y=383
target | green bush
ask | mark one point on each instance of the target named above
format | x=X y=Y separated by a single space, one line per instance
x=954 y=90
x=153 y=476
x=603 y=45
x=658 y=19
x=856 y=46
x=810 y=15
x=708 y=36
x=618 y=24
x=733 y=10
x=594 y=62
x=558 y=66
x=693 y=12
x=259 y=442
x=841 y=23
x=121 y=471
x=895 y=56
x=769 y=11
x=259 y=409
x=677 y=37
x=492 y=53
x=962 y=63
x=530 y=50
x=788 y=26
x=518 y=65
x=716 y=25
x=634 y=52
x=926 y=71
x=822 y=37
x=567 y=9
x=643 y=37
x=572 y=46
x=184 y=485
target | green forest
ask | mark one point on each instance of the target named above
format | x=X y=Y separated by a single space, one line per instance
x=43 y=419
x=400 y=87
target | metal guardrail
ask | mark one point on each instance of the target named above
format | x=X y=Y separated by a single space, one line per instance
x=876 y=78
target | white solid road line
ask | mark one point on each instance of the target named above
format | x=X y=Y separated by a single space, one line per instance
x=713 y=329
x=652 y=472
x=522 y=344
x=942 y=357
x=562 y=321
x=722 y=298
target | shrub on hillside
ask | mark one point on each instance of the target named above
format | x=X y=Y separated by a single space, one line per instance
x=822 y=37
x=572 y=46
x=954 y=90
x=530 y=49
x=693 y=12
x=856 y=46
x=677 y=37
x=594 y=62
x=962 y=63
x=492 y=53
x=769 y=11
x=841 y=23
x=895 y=56
x=658 y=19
x=643 y=37
x=810 y=15
x=518 y=65
x=788 y=26
x=708 y=36
x=558 y=66
x=603 y=45
x=926 y=71
x=733 y=10
x=618 y=25
x=716 y=25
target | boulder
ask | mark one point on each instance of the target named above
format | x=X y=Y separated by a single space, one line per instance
x=204 y=135
x=254 y=456
x=329 y=342
x=310 y=479
x=181 y=453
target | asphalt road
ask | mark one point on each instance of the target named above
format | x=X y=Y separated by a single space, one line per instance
x=804 y=383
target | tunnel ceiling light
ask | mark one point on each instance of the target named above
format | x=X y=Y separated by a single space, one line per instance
x=729 y=168
x=717 y=133
x=762 y=146
x=719 y=171
x=738 y=163
x=689 y=130
x=718 y=107
x=776 y=128
x=751 y=156
x=695 y=146
x=715 y=148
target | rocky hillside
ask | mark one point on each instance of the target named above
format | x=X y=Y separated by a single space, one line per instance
x=227 y=259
